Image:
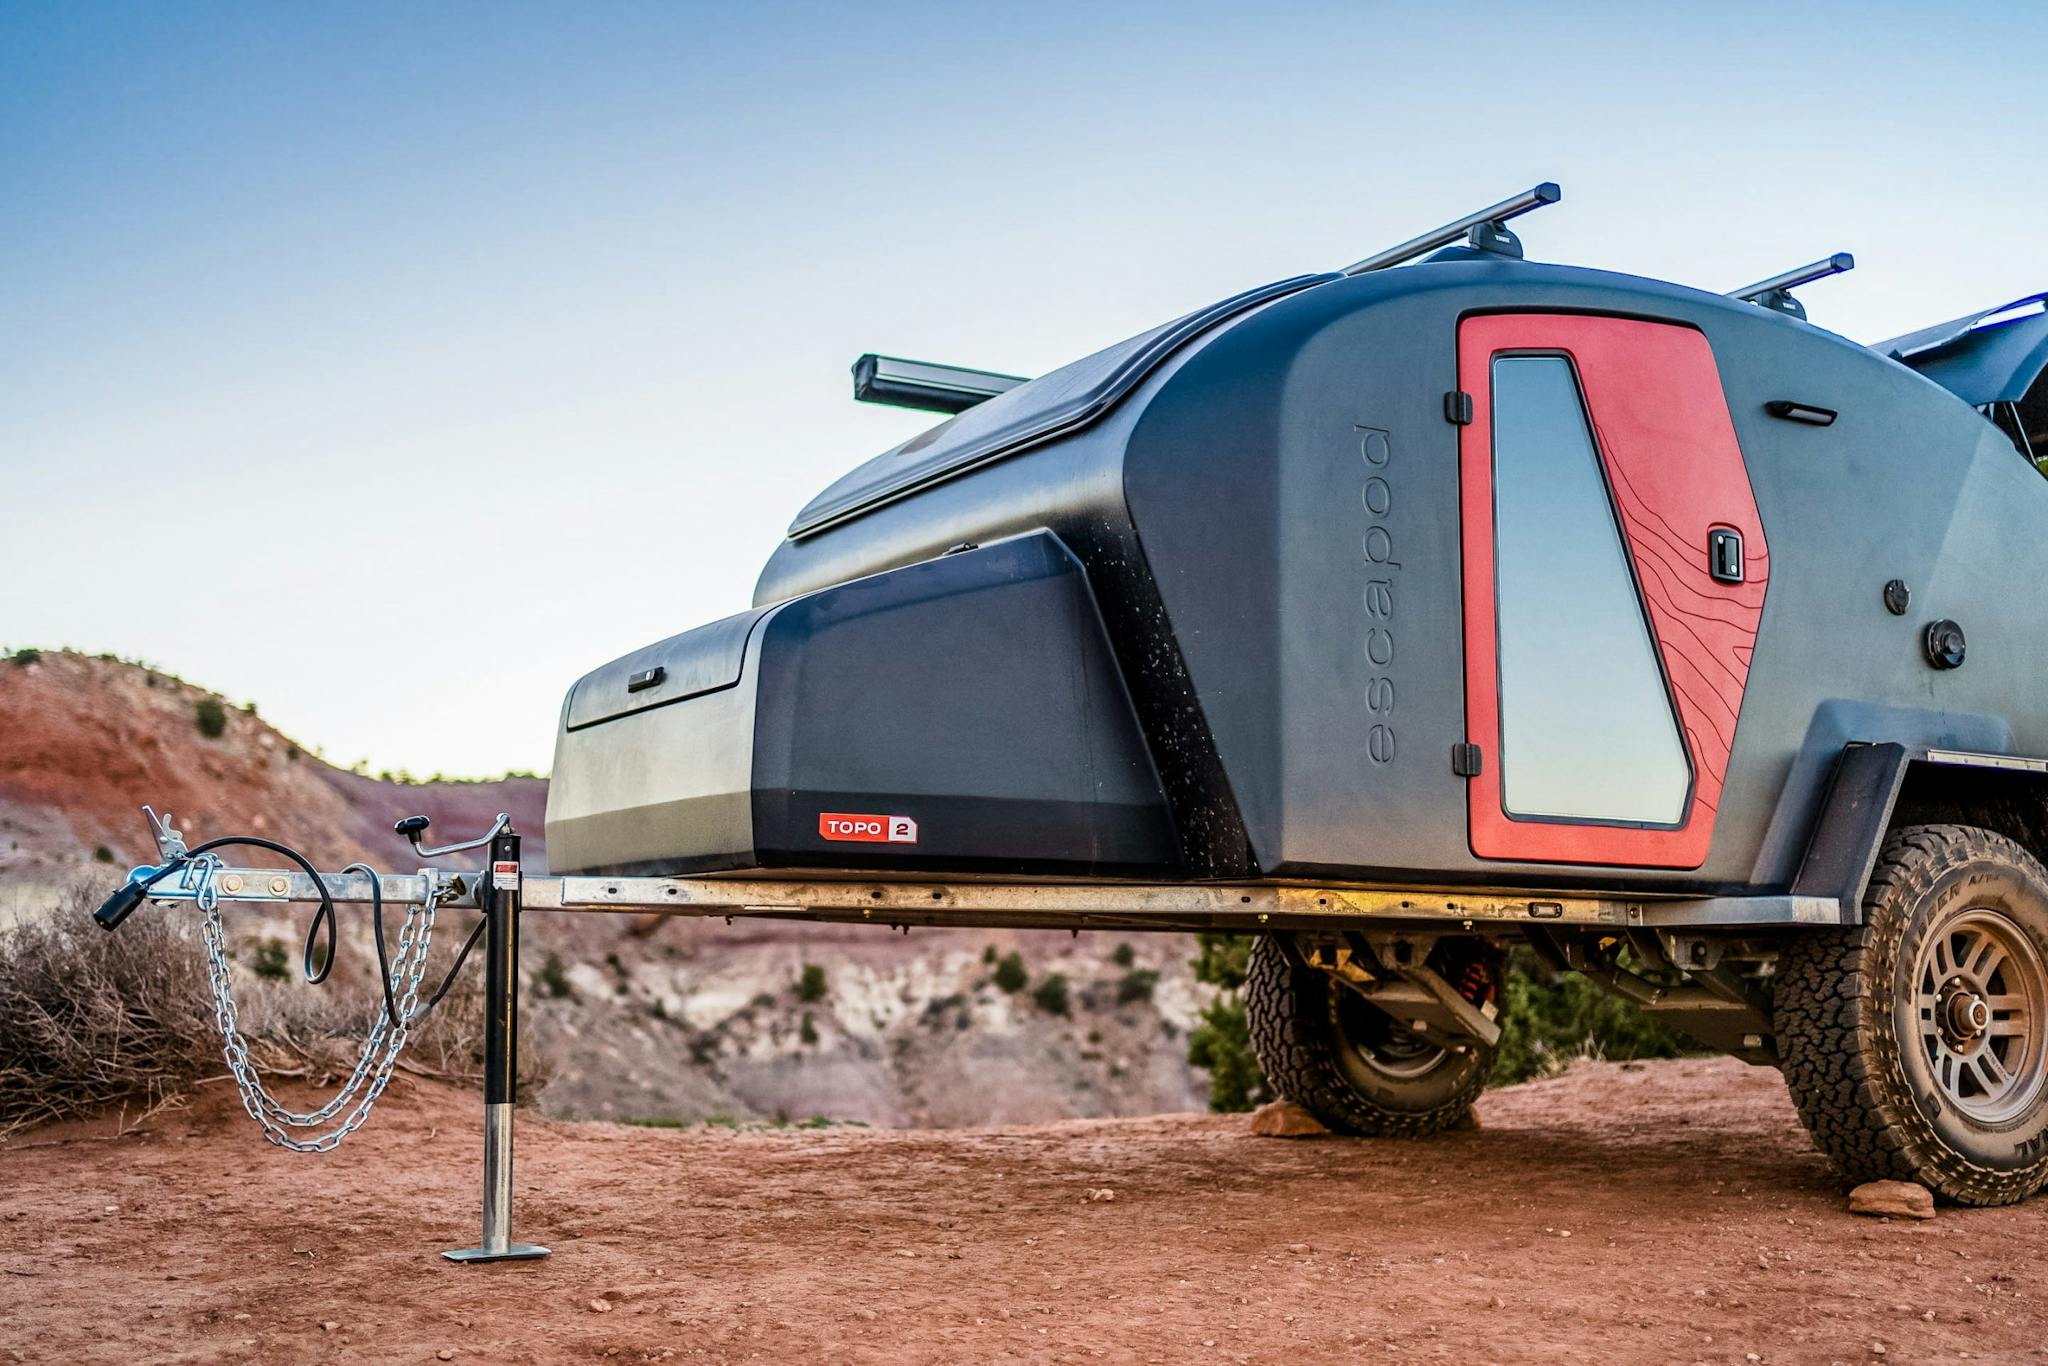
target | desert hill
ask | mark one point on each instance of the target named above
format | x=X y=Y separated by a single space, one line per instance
x=84 y=741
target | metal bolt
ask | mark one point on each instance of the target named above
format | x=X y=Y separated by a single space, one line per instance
x=232 y=882
x=280 y=885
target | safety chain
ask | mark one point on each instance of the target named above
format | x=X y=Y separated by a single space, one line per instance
x=381 y=1048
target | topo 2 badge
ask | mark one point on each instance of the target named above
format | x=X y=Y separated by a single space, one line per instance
x=837 y=825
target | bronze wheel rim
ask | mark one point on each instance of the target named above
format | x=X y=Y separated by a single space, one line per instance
x=1978 y=1010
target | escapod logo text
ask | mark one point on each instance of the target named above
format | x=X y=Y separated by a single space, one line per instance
x=837 y=825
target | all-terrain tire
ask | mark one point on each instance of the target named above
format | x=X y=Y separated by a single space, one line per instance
x=1863 y=1064
x=1294 y=1017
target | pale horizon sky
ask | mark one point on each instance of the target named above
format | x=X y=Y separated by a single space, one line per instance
x=328 y=325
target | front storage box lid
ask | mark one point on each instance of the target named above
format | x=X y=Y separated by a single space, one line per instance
x=687 y=665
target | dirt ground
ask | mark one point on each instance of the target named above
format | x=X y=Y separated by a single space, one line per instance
x=1623 y=1212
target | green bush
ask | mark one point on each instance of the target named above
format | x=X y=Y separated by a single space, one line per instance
x=1137 y=985
x=807 y=1033
x=1052 y=996
x=810 y=984
x=988 y=955
x=271 y=959
x=25 y=657
x=1221 y=1044
x=553 y=978
x=1222 y=960
x=102 y=854
x=1124 y=956
x=211 y=717
x=1010 y=974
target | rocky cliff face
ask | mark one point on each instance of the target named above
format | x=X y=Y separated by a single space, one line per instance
x=680 y=1021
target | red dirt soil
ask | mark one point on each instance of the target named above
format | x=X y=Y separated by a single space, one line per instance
x=1623 y=1212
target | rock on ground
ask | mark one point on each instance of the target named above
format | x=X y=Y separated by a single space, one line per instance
x=1892 y=1199
x=1285 y=1119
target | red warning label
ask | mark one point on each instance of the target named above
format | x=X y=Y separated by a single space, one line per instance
x=858 y=829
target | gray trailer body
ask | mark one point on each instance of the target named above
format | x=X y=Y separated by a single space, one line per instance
x=1210 y=482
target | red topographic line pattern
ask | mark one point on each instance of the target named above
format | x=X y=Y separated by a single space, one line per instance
x=1668 y=446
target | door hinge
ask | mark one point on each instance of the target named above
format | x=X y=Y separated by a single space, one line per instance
x=1458 y=407
x=1467 y=760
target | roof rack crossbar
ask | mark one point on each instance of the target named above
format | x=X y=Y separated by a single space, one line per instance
x=1776 y=292
x=1533 y=198
x=920 y=384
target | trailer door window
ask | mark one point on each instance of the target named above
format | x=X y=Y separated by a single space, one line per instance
x=1587 y=731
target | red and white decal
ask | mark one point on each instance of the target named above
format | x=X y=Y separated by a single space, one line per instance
x=505 y=875
x=858 y=829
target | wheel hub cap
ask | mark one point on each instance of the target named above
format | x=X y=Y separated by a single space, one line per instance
x=1965 y=1015
x=1981 y=1002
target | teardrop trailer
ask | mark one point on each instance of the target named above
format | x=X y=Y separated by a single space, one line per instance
x=1395 y=616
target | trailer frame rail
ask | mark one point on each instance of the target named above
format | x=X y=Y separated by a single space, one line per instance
x=1039 y=904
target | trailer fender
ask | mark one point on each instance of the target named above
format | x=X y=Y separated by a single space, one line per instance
x=1877 y=788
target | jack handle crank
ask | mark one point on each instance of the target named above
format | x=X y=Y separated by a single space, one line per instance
x=412 y=827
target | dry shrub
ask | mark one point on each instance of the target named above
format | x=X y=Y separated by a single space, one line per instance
x=90 y=1019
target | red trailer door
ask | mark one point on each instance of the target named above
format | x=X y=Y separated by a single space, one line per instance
x=1614 y=577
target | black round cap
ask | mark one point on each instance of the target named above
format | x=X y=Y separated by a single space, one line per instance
x=1944 y=644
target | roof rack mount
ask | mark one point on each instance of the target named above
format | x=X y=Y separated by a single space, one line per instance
x=1776 y=292
x=1485 y=230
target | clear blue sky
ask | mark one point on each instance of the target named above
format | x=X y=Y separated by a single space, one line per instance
x=324 y=322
